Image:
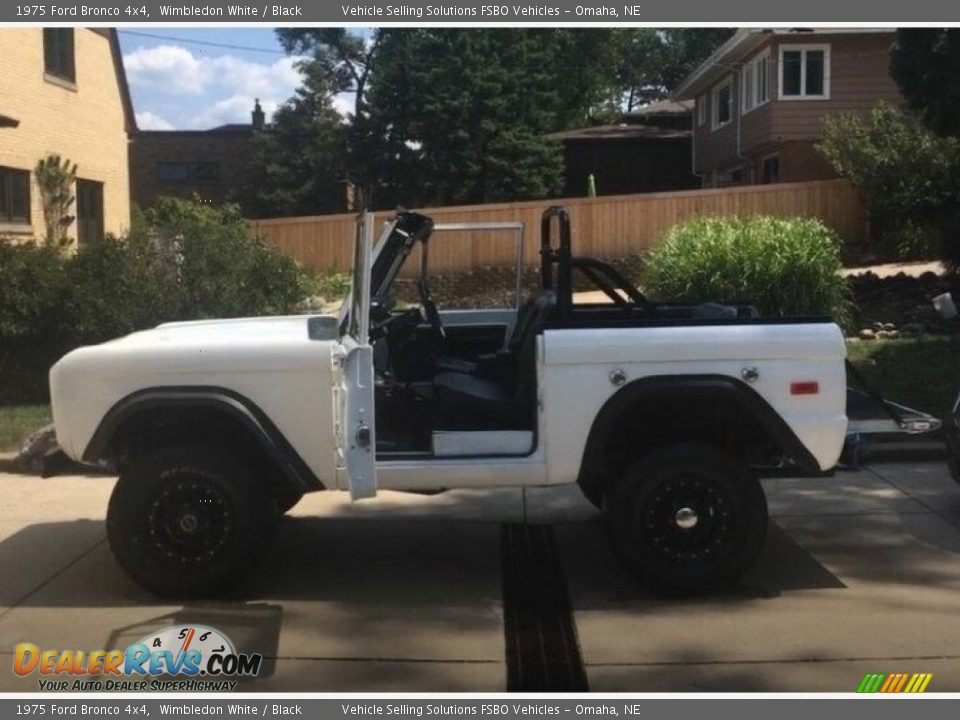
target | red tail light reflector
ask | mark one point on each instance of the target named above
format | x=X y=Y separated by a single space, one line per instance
x=807 y=387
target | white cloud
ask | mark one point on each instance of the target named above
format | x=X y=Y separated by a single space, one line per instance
x=344 y=103
x=234 y=109
x=197 y=90
x=167 y=67
x=256 y=79
x=147 y=120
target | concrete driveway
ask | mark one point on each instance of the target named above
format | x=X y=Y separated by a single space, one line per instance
x=409 y=593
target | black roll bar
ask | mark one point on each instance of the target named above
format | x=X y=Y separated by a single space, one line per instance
x=559 y=256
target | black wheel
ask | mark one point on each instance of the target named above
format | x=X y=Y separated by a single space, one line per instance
x=189 y=520
x=688 y=518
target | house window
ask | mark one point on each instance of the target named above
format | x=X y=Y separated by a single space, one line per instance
x=721 y=102
x=702 y=110
x=58 y=57
x=755 y=82
x=14 y=196
x=804 y=72
x=733 y=176
x=188 y=172
x=770 y=170
x=89 y=211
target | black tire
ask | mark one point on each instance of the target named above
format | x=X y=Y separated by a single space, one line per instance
x=286 y=503
x=189 y=521
x=648 y=513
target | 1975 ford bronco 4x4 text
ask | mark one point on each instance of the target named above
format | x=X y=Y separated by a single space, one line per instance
x=665 y=414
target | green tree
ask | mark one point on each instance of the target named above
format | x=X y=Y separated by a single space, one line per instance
x=651 y=62
x=907 y=174
x=341 y=58
x=445 y=115
x=469 y=110
x=298 y=166
x=925 y=62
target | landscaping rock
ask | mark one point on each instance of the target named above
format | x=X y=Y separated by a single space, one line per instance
x=867 y=334
x=40 y=452
x=315 y=303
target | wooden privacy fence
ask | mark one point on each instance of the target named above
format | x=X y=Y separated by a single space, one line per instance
x=609 y=227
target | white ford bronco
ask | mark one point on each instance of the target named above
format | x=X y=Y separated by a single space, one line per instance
x=666 y=415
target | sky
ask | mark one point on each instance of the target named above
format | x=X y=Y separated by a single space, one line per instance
x=179 y=83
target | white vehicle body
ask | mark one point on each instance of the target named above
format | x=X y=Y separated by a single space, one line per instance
x=294 y=377
x=273 y=363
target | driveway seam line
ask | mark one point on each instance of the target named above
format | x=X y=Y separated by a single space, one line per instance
x=53 y=577
x=913 y=497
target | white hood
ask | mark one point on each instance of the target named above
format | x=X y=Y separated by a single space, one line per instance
x=238 y=331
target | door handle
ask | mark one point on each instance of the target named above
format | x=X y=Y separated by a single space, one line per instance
x=363 y=437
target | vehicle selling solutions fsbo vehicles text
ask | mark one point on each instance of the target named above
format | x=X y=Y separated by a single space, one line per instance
x=413 y=11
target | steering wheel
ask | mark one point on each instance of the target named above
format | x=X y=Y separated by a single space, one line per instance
x=406 y=320
x=430 y=310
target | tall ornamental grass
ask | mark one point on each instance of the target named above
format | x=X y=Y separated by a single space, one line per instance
x=782 y=266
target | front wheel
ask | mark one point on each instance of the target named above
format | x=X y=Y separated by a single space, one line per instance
x=189 y=520
x=688 y=518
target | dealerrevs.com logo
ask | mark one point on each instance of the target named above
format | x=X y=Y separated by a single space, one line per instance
x=176 y=659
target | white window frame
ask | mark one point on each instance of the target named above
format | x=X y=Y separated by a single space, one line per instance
x=750 y=90
x=804 y=49
x=702 y=110
x=715 y=123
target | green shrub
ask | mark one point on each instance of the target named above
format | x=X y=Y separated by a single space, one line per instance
x=908 y=175
x=210 y=266
x=783 y=266
x=330 y=285
x=117 y=286
x=224 y=269
x=31 y=286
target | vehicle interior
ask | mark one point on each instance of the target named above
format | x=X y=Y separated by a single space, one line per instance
x=463 y=384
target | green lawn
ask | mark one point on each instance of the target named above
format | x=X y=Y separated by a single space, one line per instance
x=18 y=421
x=923 y=372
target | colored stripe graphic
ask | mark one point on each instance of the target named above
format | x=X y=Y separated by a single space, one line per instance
x=894 y=683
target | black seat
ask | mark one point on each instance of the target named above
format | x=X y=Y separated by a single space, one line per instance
x=467 y=401
x=526 y=315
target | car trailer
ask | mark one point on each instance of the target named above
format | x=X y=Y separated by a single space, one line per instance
x=874 y=420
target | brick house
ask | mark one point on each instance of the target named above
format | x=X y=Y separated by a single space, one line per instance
x=762 y=96
x=211 y=164
x=63 y=91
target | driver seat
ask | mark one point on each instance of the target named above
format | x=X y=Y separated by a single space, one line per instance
x=467 y=401
x=528 y=317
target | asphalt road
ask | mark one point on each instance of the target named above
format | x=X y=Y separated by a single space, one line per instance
x=407 y=593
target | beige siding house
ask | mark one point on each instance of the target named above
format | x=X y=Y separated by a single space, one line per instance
x=63 y=91
x=762 y=96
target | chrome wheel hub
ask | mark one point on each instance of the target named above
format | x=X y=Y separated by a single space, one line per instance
x=686 y=518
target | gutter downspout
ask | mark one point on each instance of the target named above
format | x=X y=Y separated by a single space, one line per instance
x=738 y=83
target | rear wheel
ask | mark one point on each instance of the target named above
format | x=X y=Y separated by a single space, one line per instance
x=189 y=520
x=688 y=518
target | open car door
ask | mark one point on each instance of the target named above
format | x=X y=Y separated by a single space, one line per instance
x=355 y=432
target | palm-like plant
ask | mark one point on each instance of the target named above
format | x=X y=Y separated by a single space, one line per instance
x=55 y=178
